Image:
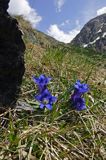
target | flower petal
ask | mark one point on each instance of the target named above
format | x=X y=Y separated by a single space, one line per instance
x=35 y=79
x=41 y=105
x=49 y=106
x=54 y=99
x=38 y=97
x=81 y=88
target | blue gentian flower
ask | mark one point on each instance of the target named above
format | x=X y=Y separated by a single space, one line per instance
x=46 y=99
x=42 y=81
x=81 y=88
x=77 y=97
x=78 y=102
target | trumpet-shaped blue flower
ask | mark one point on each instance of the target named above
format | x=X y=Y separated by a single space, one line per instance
x=42 y=81
x=46 y=99
x=77 y=97
x=81 y=88
x=78 y=102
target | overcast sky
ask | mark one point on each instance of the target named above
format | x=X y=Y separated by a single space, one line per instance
x=61 y=19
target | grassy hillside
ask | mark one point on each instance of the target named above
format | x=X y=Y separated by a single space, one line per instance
x=34 y=36
x=63 y=133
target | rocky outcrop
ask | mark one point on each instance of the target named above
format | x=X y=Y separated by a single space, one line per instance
x=93 y=35
x=4 y=6
x=12 y=50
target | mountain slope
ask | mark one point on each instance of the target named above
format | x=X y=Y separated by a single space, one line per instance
x=93 y=34
x=34 y=36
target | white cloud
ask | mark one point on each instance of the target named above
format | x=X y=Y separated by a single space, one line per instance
x=101 y=11
x=60 y=35
x=77 y=23
x=66 y=22
x=22 y=7
x=59 y=4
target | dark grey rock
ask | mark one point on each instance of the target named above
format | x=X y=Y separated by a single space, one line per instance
x=4 y=6
x=93 y=34
x=12 y=50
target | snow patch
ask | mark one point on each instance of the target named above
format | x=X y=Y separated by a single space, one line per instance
x=94 y=40
x=99 y=31
x=85 y=45
x=104 y=34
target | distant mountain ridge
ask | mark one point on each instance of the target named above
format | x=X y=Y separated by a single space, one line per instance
x=93 y=34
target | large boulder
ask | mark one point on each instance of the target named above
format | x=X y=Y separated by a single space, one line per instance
x=12 y=50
